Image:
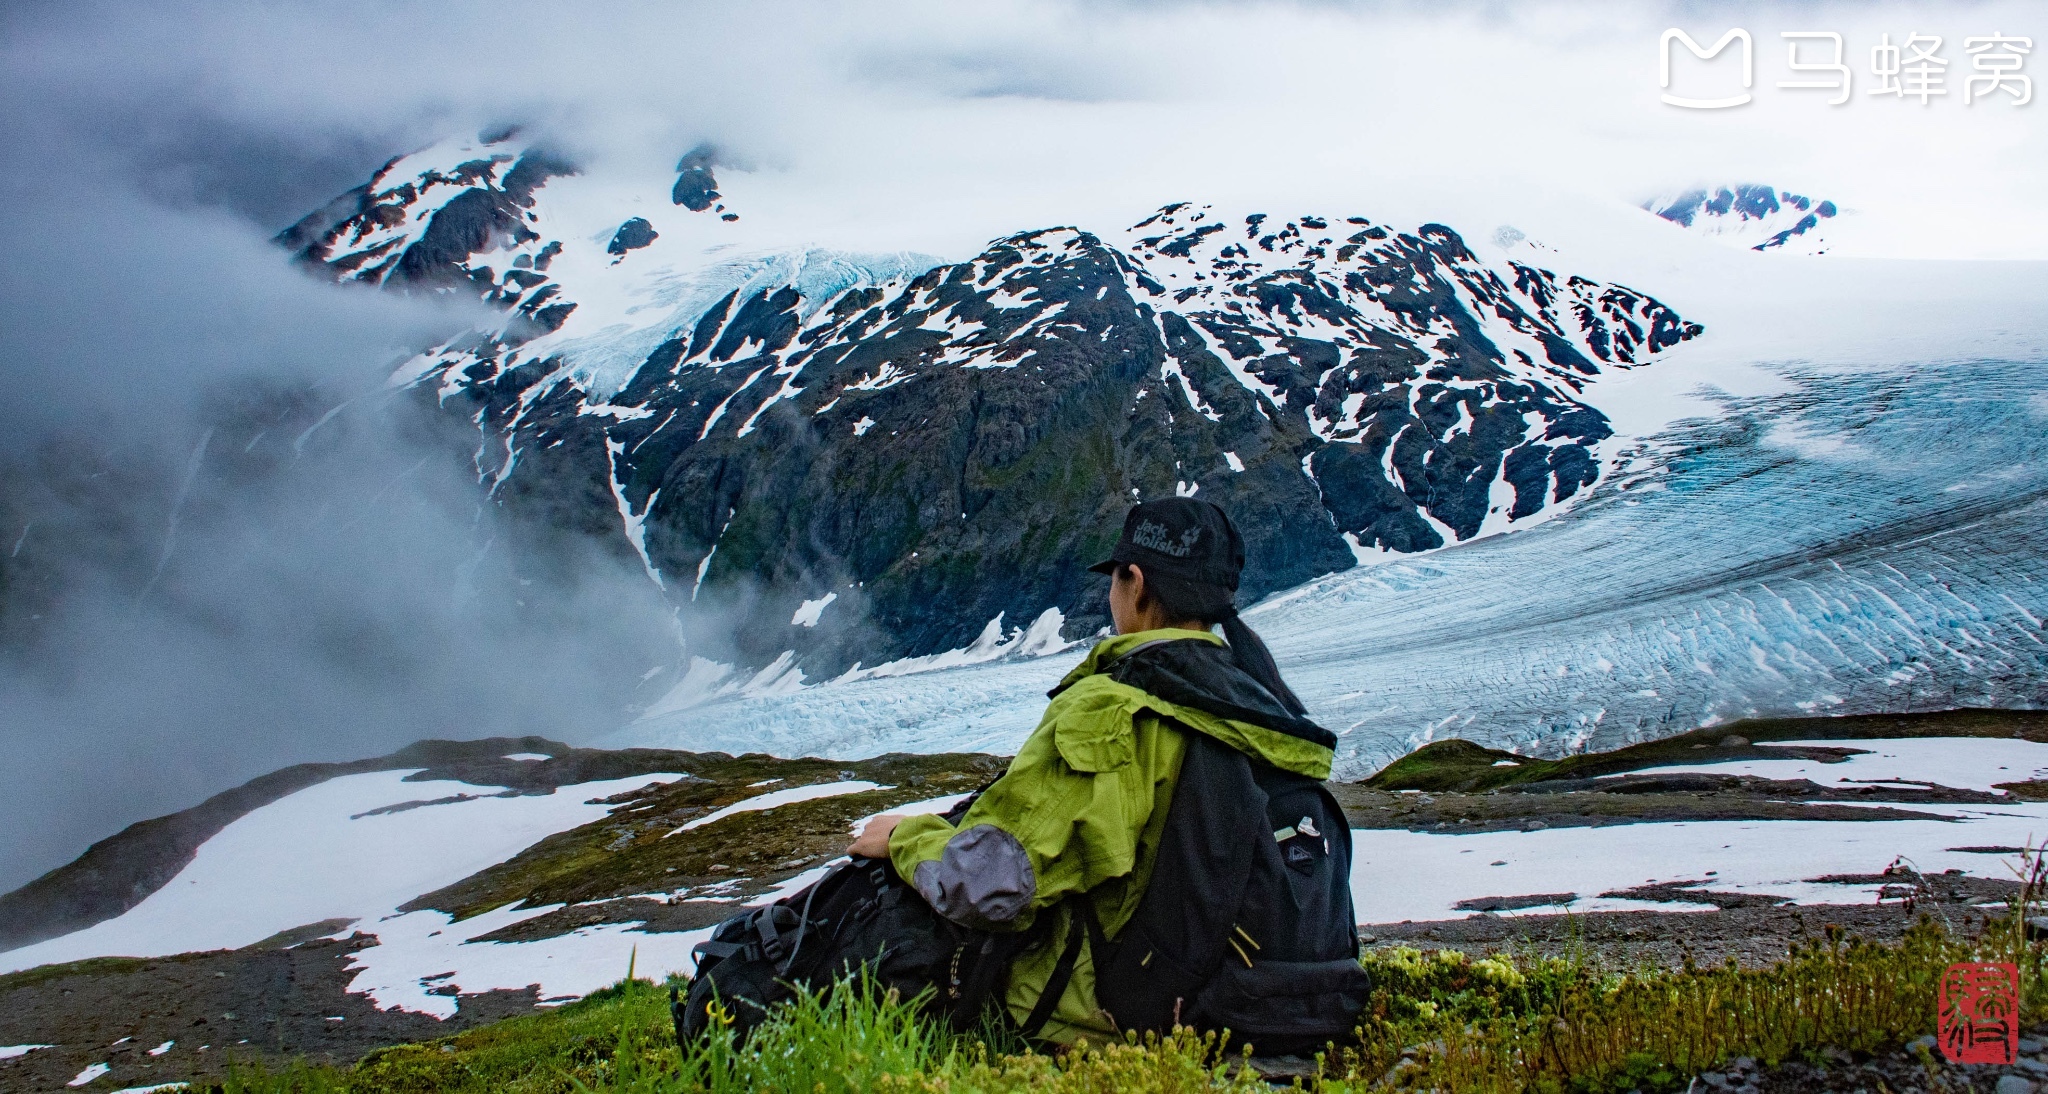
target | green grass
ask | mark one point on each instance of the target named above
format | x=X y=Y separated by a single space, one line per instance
x=618 y=1041
x=91 y=966
x=1554 y=1025
x=1444 y=1020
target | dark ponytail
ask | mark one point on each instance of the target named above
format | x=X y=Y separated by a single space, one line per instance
x=1208 y=604
x=1256 y=660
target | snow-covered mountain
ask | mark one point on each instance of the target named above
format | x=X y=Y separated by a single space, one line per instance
x=1755 y=216
x=872 y=457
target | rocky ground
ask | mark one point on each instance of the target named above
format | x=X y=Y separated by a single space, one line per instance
x=168 y=1019
x=288 y=995
x=1915 y=1068
x=1752 y=930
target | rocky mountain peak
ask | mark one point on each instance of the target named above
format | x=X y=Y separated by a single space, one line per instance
x=870 y=458
x=1751 y=215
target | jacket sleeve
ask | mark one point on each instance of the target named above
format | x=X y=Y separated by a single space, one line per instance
x=1066 y=817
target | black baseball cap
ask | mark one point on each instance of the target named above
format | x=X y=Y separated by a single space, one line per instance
x=1181 y=538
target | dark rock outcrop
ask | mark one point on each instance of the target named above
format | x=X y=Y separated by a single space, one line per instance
x=631 y=236
x=1767 y=205
x=696 y=189
x=488 y=212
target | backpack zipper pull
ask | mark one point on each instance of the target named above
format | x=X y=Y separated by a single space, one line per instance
x=1249 y=941
x=1241 y=955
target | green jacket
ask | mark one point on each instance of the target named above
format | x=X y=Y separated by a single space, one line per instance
x=1080 y=810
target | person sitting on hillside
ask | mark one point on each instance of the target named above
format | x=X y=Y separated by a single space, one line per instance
x=1164 y=832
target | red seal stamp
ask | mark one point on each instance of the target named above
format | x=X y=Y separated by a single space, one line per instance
x=1979 y=1013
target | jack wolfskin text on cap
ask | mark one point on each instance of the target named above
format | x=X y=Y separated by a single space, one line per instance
x=1179 y=537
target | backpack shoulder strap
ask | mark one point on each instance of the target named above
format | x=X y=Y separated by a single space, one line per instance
x=1083 y=928
x=1179 y=935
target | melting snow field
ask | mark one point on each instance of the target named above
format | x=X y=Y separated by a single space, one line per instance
x=1401 y=875
x=422 y=951
x=314 y=856
x=780 y=797
x=419 y=952
x=320 y=854
x=1964 y=763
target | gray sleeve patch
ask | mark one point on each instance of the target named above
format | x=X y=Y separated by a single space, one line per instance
x=983 y=879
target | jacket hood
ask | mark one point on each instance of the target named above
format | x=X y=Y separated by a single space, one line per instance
x=1116 y=646
x=1193 y=677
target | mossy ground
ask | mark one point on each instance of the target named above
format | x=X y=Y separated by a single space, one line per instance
x=91 y=966
x=1514 y=1021
x=632 y=851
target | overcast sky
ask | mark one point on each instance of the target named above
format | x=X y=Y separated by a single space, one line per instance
x=150 y=150
x=1014 y=108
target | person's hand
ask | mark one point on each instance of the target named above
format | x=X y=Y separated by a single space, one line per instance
x=873 y=841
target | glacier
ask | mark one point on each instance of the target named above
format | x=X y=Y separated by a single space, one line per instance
x=1849 y=540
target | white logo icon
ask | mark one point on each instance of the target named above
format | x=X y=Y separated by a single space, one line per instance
x=1913 y=69
x=1664 y=67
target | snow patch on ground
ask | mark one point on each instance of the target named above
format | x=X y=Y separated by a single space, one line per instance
x=808 y=613
x=782 y=797
x=913 y=809
x=9 y=1052
x=1400 y=875
x=1040 y=639
x=302 y=859
x=1964 y=763
x=704 y=680
x=414 y=949
x=795 y=884
x=709 y=681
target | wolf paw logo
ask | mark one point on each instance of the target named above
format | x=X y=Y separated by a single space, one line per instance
x=1152 y=535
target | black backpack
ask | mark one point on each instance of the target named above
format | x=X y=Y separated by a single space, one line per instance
x=858 y=918
x=1246 y=924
